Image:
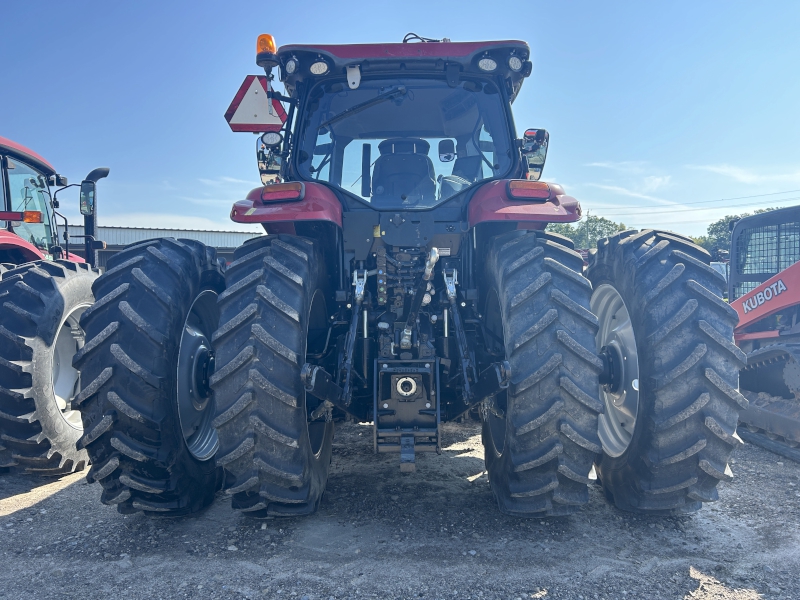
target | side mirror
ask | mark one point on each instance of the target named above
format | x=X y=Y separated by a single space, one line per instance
x=447 y=151
x=88 y=192
x=534 y=151
x=269 y=165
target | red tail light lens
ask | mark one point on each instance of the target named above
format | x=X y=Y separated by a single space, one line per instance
x=10 y=216
x=283 y=191
x=523 y=189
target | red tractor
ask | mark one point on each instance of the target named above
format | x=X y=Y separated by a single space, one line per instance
x=407 y=280
x=44 y=289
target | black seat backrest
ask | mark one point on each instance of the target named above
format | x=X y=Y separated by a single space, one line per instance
x=403 y=169
x=469 y=168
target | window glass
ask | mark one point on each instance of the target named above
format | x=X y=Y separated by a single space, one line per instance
x=29 y=191
x=403 y=122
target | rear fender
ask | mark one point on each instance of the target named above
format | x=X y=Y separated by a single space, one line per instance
x=492 y=203
x=318 y=204
x=14 y=249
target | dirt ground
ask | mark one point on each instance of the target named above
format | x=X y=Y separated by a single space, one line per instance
x=431 y=534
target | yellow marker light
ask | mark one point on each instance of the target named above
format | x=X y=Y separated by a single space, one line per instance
x=266 y=43
x=31 y=216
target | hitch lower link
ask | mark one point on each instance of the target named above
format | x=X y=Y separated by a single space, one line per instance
x=319 y=383
x=491 y=382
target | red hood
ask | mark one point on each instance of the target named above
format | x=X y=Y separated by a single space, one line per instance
x=13 y=148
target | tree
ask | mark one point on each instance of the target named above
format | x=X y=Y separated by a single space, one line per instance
x=588 y=231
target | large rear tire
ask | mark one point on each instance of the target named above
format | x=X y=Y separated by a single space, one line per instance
x=39 y=333
x=662 y=317
x=146 y=405
x=540 y=441
x=272 y=314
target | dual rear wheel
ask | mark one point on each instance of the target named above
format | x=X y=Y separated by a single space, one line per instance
x=632 y=369
x=172 y=332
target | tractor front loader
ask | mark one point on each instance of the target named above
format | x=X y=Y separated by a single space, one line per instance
x=407 y=280
x=44 y=289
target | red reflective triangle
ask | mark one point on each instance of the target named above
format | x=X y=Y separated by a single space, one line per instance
x=250 y=109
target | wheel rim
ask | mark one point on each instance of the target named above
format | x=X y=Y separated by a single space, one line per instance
x=195 y=367
x=616 y=342
x=65 y=377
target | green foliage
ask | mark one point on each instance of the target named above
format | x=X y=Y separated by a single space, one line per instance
x=588 y=231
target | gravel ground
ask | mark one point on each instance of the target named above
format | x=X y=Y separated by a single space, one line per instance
x=431 y=534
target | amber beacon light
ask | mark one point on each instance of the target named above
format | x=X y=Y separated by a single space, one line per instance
x=266 y=51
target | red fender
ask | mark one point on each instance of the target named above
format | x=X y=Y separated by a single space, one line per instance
x=492 y=203
x=318 y=204
x=12 y=240
x=31 y=252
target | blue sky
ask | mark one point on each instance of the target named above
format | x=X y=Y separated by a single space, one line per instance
x=656 y=110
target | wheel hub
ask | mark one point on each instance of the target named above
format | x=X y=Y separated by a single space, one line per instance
x=196 y=367
x=612 y=374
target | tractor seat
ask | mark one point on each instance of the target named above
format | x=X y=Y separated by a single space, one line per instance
x=403 y=171
x=469 y=168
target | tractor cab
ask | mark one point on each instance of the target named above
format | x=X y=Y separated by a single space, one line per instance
x=27 y=197
x=395 y=126
x=28 y=210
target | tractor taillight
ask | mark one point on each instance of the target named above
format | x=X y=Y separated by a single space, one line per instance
x=283 y=191
x=524 y=189
x=10 y=216
x=31 y=216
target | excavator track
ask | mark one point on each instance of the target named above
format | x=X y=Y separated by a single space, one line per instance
x=771 y=382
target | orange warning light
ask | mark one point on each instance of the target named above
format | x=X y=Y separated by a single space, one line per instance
x=524 y=189
x=266 y=43
x=32 y=216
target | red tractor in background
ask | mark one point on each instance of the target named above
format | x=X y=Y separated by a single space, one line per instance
x=764 y=288
x=407 y=280
x=44 y=289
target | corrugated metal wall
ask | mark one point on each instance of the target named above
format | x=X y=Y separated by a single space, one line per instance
x=117 y=238
x=122 y=236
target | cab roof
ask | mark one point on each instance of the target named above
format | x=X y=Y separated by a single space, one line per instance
x=15 y=150
x=451 y=58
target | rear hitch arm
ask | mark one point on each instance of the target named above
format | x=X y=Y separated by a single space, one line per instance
x=319 y=383
x=493 y=380
x=468 y=372
x=360 y=283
